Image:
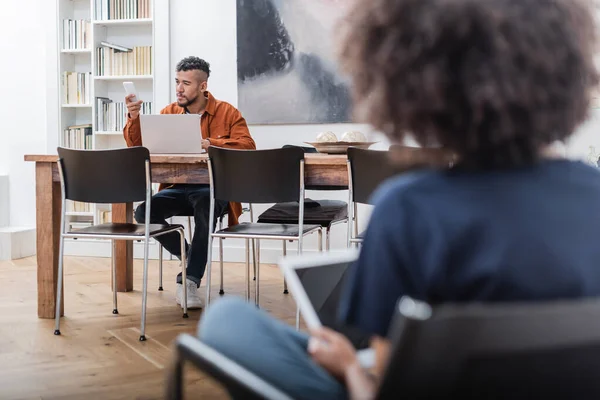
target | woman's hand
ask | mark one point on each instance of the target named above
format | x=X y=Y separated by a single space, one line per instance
x=332 y=351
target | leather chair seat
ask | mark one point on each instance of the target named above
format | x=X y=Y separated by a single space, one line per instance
x=125 y=229
x=247 y=228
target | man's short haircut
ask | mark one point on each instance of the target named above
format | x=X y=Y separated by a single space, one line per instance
x=494 y=81
x=193 y=63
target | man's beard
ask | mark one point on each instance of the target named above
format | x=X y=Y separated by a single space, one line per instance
x=186 y=102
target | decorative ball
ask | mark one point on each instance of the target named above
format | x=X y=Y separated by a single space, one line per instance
x=353 y=136
x=326 y=137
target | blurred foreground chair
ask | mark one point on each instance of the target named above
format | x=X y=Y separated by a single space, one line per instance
x=475 y=351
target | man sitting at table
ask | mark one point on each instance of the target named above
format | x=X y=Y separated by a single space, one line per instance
x=222 y=125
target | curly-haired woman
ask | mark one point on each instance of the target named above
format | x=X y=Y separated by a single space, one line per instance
x=496 y=82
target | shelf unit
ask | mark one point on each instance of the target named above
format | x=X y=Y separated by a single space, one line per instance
x=125 y=32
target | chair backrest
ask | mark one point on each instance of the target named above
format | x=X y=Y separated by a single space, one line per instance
x=495 y=351
x=256 y=176
x=367 y=169
x=105 y=176
x=306 y=149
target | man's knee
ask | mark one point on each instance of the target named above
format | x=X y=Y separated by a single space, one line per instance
x=140 y=213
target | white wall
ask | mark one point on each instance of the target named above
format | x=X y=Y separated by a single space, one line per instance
x=23 y=83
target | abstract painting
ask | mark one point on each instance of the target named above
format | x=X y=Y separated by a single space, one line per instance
x=287 y=72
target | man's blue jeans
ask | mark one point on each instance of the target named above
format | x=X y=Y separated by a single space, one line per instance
x=184 y=200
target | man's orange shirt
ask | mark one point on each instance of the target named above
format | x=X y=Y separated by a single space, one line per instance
x=221 y=123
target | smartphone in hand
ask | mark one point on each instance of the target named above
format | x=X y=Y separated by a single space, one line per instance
x=130 y=90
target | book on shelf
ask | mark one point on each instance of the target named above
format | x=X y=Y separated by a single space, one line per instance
x=112 y=116
x=78 y=207
x=122 y=9
x=76 y=34
x=104 y=216
x=76 y=87
x=111 y=62
x=78 y=137
x=116 y=47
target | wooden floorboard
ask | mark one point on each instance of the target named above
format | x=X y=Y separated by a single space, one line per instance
x=98 y=355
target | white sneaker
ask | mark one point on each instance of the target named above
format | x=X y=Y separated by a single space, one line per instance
x=193 y=298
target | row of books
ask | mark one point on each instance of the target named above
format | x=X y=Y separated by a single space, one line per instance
x=78 y=137
x=132 y=61
x=122 y=9
x=77 y=206
x=76 y=87
x=112 y=116
x=77 y=34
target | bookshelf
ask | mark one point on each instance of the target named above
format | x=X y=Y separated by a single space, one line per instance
x=88 y=70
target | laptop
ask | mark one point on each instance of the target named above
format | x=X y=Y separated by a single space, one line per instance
x=316 y=282
x=171 y=133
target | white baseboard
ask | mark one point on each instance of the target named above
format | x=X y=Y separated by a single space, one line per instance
x=16 y=242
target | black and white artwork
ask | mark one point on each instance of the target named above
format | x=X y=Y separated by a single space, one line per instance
x=287 y=71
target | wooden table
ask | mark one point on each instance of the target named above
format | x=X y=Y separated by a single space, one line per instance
x=320 y=170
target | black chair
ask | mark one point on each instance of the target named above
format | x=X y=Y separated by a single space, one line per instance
x=540 y=350
x=111 y=176
x=321 y=212
x=275 y=176
x=367 y=169
x=240 y=382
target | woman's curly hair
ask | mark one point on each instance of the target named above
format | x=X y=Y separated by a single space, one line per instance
x=494 y=81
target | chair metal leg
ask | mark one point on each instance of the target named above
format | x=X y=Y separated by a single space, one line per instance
x=208 y=273
x=160 y=266
x=285 y=288
x=254 y=257
x=190 y=228
x=247 y=269
x=300 y=252
x=144 y=293
x=327 y=237
x=355 y=223
x=221 y=291
x=253 y=246
x=59 y=286
x=113 y=270
x=320 y=233
x=257 y=285
x=183 y=272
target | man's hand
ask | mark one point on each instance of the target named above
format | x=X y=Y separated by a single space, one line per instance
x=332 y=351
x=133 y=107
x=205 y=144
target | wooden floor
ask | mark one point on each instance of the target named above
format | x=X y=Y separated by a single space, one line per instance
x=98 y=355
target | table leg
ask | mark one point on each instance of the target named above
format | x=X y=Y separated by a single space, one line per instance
x=48 y=209
x=124 y=248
